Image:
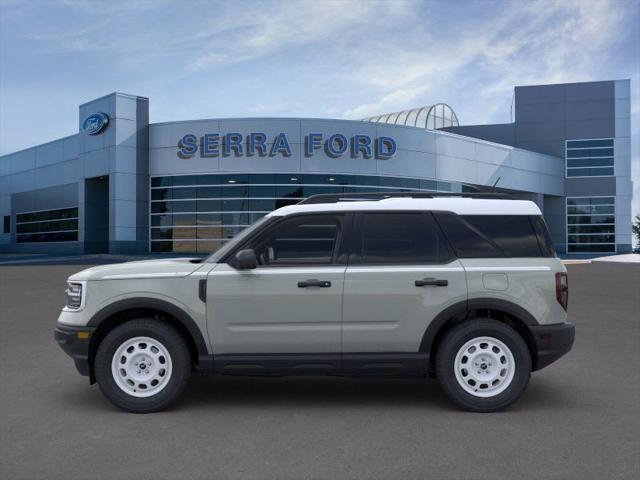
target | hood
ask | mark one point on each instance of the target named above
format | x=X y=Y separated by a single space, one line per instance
x=164 y=268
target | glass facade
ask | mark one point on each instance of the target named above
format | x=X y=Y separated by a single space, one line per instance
x=59 y=225
x=589 y=158
x=198 y=213
x=591 y=225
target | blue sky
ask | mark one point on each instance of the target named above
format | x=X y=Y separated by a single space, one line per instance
x=314 y=59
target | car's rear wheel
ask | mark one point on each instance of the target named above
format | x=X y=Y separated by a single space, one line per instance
x=483 y=365
x=143 y=365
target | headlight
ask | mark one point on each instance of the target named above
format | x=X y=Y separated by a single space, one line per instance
x=74 y=293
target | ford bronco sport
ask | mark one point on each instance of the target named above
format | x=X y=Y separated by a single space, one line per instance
x=467 y=290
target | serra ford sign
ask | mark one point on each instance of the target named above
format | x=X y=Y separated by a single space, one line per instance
x=258 y=144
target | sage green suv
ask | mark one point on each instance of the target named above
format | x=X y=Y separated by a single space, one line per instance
x=467 y=290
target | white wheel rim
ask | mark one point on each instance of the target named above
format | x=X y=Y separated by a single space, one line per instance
x=484 y=367
x=141 y=366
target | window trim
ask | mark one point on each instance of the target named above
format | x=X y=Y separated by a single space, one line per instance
x=355 y=256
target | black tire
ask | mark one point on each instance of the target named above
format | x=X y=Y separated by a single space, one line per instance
x=177 y=348
x=456 y=338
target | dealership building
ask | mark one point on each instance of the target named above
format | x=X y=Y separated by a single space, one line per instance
x=124 y=185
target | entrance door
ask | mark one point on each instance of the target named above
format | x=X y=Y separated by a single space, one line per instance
x=291 y=303
x=96 y=215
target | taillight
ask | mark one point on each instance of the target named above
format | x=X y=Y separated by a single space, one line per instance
x=562 y=289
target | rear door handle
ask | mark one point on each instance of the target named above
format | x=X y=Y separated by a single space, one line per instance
x=314 y=283
x=432 y=282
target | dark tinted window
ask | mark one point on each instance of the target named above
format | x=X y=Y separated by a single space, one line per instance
x=7 y=224
x=402 y=238
x=47 y=226
x=54 y=226
x=467 y=242
x=544 y=240
x=309 y=239
x=47 y=215
x=48 y=237
x=184 y=180
x=478 y=236
x=513 y=234
x=589 y=143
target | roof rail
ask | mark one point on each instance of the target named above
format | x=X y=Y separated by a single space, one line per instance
x=376 y=196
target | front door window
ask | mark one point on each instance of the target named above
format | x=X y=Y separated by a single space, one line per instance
x=305 y=240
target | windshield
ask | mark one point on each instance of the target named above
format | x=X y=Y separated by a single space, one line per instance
x=231 y=244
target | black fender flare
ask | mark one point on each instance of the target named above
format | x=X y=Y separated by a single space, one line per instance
x=154 y=304
x=457 y=311
x=461 y=309
x=506 y=306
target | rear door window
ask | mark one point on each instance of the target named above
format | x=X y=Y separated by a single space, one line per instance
x=401 y=238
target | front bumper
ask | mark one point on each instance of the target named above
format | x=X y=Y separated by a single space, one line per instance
x=75 y=343
x=552 y=342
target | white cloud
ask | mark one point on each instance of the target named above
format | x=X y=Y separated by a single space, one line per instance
x=388 y=103
x=525 y=44
x=263 y=31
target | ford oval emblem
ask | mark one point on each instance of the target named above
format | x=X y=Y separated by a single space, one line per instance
x=95 y=123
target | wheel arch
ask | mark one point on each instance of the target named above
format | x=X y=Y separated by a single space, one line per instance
x=121 y=311
x=502 y=310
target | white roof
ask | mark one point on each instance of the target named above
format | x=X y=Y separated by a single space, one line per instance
x=459 y=205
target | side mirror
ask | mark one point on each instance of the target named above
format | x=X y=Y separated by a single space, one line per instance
x=245 y=260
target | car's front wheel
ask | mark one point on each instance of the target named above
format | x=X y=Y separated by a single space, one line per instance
x=143 y=365
x=483 y=365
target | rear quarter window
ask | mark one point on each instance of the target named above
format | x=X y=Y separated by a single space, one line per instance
x=485 y=236
x=544 y=239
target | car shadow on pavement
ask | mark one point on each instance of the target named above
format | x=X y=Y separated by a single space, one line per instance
x=314 y=392
x=311 y=392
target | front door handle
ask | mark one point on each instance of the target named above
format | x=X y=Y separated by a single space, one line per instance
x=314 y=283
x=432 y=282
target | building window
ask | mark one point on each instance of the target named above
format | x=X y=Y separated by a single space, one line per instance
x=589 y=158
x=198 y=213
x=7 y=224
x=591 y=226
x=60 y=225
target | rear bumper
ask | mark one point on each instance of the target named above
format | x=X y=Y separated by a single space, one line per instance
x=75 y=343
x=552 y=342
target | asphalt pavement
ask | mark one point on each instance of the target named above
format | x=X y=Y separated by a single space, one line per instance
x=579 y=418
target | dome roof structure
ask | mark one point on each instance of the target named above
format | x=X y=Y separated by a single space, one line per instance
x=430 y=117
